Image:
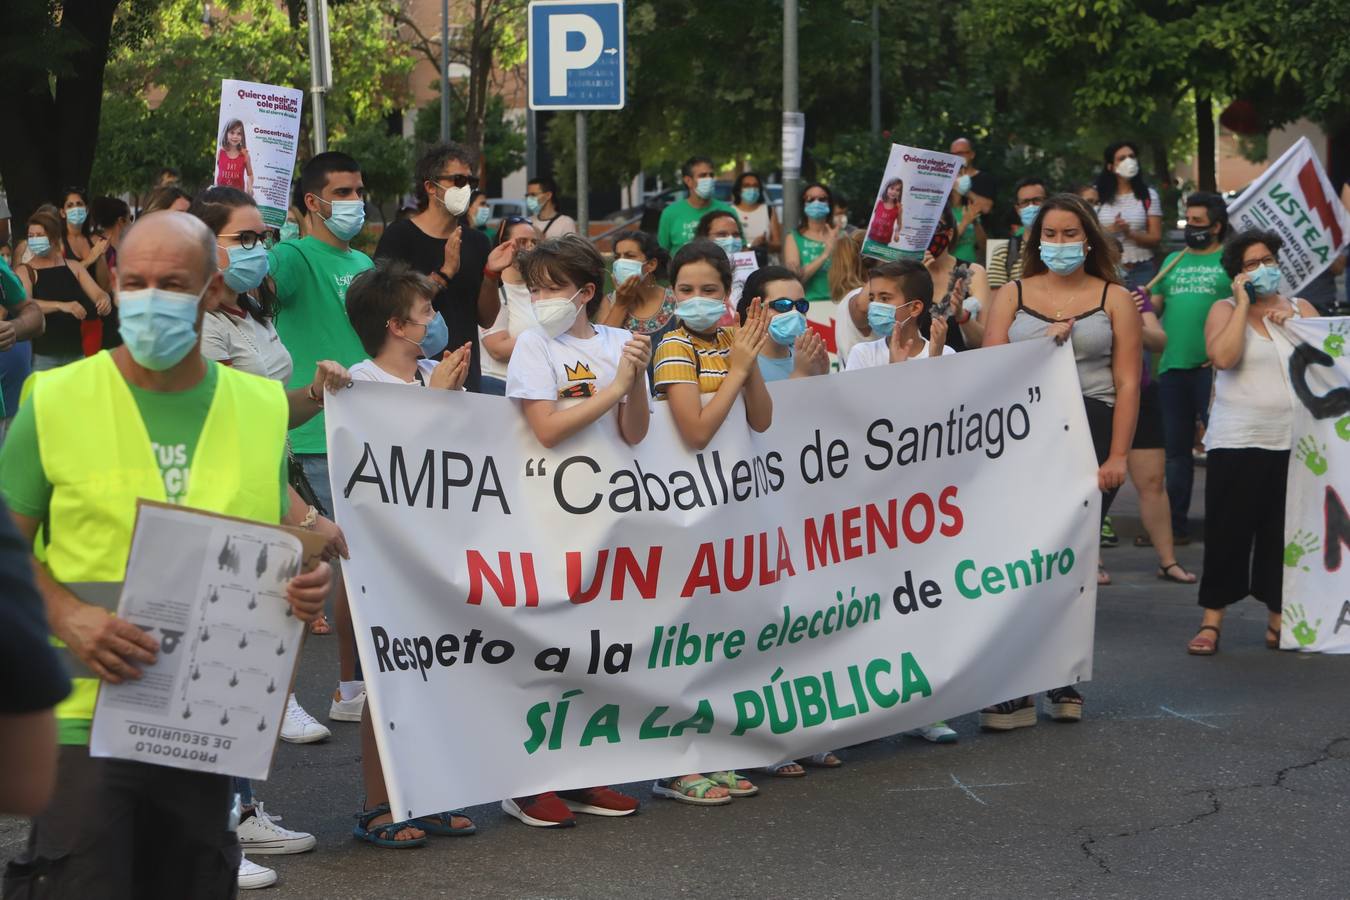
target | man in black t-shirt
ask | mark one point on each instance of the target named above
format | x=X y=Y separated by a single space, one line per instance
x=34 y=682
x=439 y=241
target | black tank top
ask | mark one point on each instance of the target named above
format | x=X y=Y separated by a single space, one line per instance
x=62 y=337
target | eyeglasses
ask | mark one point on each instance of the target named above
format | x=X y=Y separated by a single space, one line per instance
x=784 y=304
x=1029 y=201
x=1252 y=265
x=460 y=181
x=250 y=239
x=515 y=220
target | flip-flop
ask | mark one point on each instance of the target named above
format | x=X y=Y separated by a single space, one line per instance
x=1165 y=574
x=385 y=835
x=1203 y=646
x=826 y=760
x=778 y=769
x=693 y=791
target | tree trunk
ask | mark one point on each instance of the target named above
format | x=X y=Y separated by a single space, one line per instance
x=1204 y=133
x=60 y=129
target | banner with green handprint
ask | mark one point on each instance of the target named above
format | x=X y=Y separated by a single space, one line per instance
x=1317 y=526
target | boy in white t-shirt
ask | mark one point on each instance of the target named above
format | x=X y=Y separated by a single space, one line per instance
x=389 y=307
x=390 y=310
x=901 y=288
x=569 y=374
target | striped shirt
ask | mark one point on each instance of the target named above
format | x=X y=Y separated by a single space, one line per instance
x=685 y=358
x=1131 y=209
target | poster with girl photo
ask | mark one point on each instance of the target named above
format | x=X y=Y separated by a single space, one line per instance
x=256 y=140
x=910 y=199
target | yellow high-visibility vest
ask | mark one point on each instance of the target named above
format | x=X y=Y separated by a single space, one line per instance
x=98 y=457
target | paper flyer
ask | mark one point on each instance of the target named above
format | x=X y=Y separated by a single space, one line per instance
x=913 y=192
x=211 y=590
x=256 y=141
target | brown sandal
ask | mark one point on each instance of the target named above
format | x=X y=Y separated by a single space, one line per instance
x=1165 y=574
x=1204 y=646
x=1272 y=638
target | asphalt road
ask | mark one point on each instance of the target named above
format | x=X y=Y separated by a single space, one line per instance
x=1188 y=777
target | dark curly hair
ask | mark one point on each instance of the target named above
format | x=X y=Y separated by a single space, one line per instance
x=1236 y=247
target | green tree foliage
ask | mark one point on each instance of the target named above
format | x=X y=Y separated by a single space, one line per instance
x=503 y=136
x=163 y=95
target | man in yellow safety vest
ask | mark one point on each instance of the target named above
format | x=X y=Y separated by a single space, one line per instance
x=151 y=419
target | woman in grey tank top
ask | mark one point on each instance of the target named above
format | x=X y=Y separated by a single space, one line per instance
x=1069 y=291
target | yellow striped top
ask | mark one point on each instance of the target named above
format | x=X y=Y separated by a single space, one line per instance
x=686 y=358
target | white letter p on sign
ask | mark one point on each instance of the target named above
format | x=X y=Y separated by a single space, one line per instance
x=560 y=59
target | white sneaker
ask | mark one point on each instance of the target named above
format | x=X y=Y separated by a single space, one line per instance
x=299 y=727
x=260 y=834
x=937 y=733
x=347 y=710
x=252 y=875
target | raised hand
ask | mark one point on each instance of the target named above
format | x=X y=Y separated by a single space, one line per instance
x=638 y=351
x=750 y=339
x=937 y=337
x=451 y=372
x=629 y=293
x=809 y=356
x=450 y=266
x=900 y=351
x=502 y=257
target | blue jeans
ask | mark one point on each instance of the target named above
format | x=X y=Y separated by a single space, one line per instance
x=1185 y=401
x=1140 y=274
x=491 y=384
x=315 y=466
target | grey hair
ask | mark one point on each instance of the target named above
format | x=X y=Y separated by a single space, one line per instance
x=191 y=227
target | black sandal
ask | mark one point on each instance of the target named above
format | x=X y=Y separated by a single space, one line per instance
x=1272 y=638
x=1165 y=574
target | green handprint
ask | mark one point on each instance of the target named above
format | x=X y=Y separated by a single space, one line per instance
x=1343 y=428
x=1307 y=451
x=1334 y=343
x=1304 y=542
x=1304 y=633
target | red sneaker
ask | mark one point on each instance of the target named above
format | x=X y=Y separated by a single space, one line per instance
x=599 y=801
x=541 y=811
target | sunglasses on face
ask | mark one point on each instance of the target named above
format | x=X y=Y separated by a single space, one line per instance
x=460 y=181
x=784 y=304
x=250 y=239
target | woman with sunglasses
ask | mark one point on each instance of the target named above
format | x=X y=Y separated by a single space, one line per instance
x=516 y=237
x=439 y=241
x=793 y=350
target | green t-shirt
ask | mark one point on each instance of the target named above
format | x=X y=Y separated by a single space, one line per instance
x=311 y=280
x=964 y=249
x=809 y=249
x=11 y=295
x=1188 y=291
x=173 y=420
x=679 y=221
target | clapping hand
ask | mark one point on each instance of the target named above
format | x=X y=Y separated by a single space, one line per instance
x=809 y=356
x=450 y=266
x=750 y=339
x=451 y=372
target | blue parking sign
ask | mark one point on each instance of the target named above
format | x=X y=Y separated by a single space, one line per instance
x=576 y=58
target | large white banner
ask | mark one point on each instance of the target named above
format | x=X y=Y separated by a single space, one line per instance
x=904 y=544
x=256 y=139
x=1294 y=198
x=1316 y=522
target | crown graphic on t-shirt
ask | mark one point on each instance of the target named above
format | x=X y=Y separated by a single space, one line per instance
x=579 y=372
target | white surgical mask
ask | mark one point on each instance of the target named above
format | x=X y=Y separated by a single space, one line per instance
x=1127 y=167
x=556 y=314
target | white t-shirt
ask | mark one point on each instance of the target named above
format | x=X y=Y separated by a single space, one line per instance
x=366 y=370
x=846 y=334
x=515 y=317
x=1131 y=209
x=878 y=353
x=246 y=344
x=555 y=227
x=566 y=367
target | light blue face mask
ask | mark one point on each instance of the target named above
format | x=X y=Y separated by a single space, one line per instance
x=347 y=219
x=729 y=245
x=1063 y=258
x=480 y=218
x=700 y=313
x=750 y=195
x=786 y=327
x=625 y=269
x=290 y=231
x=1028 y=215
x=437 y=336
x=159 y=327
x=532 y=205
x=816 y=209
x=704 y=188
x=881 y=318
x=39 y=245
x=963 y=185
x=247 y=268
x=76 y=215
x=1266 y=279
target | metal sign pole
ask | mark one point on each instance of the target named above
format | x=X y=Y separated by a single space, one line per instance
x=583 y=179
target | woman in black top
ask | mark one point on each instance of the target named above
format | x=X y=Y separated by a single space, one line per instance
x=64 y=291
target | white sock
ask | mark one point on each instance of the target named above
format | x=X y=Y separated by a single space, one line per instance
x=349 y=690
